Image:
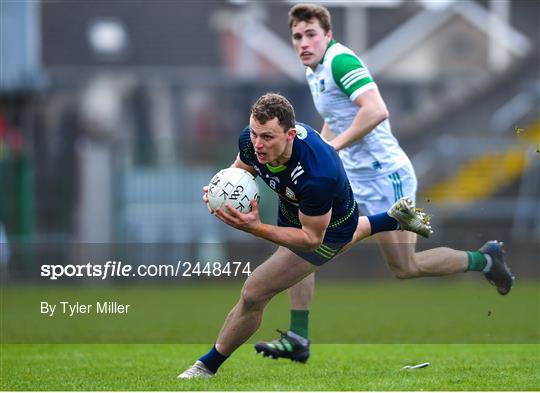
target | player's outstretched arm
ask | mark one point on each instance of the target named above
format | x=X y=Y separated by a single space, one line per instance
x=307 y=238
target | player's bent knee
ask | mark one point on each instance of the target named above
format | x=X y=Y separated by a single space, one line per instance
x=403 y=265
x=253 y=298
x=405 y=272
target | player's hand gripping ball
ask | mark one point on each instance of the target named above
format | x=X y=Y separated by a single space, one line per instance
x=235 y=186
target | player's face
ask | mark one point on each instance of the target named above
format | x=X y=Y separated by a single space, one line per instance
x=310 y=42
x=272 y=144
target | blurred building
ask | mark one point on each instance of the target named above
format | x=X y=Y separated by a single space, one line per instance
x=123 y=110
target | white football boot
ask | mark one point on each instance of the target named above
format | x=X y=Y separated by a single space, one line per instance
x=410 y=218
x=198 y=370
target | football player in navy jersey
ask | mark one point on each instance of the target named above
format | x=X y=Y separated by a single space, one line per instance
x=356 y=124
x=317 y=217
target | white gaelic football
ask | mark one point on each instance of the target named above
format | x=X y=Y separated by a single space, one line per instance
x=235 y=186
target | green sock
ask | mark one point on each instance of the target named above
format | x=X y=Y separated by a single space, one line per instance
x=477 y=261
x=300 y=322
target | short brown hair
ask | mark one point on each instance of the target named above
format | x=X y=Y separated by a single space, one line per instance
x=274 y=105
x=306 y=12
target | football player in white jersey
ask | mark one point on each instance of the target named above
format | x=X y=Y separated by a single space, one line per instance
x=356 y=124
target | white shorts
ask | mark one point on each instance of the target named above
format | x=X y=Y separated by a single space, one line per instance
x=377 y=195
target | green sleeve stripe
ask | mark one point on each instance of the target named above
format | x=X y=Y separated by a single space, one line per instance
x=356 y=76
x=349 y=73
x=358 y=84
x=352 y=74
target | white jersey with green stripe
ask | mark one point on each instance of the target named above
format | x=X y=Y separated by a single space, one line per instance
x=336 y=82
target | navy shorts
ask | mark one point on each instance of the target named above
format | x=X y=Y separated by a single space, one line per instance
x=338 y=234
x=325 y=253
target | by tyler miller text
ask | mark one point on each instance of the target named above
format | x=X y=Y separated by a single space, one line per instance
x=77 y=308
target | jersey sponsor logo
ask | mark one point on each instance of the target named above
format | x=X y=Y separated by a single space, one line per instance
x=301 y=132
x=296 y=173
x=290 y=194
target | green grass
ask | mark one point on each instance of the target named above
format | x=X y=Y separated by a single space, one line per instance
x=332 y=367
x=409 y=312
x=474 y=338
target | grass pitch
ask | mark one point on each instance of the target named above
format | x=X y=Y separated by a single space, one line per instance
x=332 y=367
x=473 y=338
x=431 y=311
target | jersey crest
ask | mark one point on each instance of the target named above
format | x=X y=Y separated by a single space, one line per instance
x=301 y=132
x=290 y=194
x=322 y=87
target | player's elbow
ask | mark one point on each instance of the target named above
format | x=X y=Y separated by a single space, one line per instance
x=382 y=113
x=314 y=242
x=379 y=111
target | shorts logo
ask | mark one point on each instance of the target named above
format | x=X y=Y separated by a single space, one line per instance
x=301 y=132
x=290 y=194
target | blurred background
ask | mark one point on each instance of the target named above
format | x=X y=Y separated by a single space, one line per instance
x=114 y=114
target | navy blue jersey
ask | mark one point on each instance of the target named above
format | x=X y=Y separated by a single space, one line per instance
x=312 y=181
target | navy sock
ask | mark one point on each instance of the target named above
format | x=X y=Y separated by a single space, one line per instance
x=213 y=359
x=382 y=222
